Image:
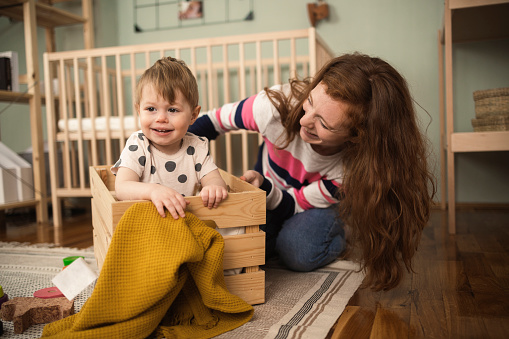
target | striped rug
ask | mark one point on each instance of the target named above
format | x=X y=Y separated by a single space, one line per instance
x=298 y=305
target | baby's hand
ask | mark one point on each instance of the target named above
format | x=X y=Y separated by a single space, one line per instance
x=173 y=201
x=212 y=195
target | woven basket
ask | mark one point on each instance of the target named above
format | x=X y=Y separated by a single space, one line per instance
x=491 y=123
x=491 y=102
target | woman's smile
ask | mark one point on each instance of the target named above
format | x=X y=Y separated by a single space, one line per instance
x=308 y=133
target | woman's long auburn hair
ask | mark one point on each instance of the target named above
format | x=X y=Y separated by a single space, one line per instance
x=388 y=188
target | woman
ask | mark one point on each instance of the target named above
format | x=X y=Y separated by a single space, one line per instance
x=342 y=148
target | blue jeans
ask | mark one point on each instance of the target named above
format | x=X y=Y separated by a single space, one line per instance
x=307 y=240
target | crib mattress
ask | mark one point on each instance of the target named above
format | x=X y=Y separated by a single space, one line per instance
x=100 y=124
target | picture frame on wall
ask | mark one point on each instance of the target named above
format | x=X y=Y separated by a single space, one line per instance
x=190 y=10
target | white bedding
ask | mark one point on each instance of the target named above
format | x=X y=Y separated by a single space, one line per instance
x=100 y=124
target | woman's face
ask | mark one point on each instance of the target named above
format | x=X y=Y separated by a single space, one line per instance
x=325 y=122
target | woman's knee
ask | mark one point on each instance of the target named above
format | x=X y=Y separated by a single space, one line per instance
x=311 y=239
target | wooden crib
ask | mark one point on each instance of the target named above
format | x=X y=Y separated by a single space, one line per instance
x=89 y=97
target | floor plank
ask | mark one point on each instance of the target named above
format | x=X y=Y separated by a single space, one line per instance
x=427 y=318
x=391 y=324
x=462 y=317
x=460 y=287
x=355 y=322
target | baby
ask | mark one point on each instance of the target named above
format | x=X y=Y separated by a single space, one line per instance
x=163 y=162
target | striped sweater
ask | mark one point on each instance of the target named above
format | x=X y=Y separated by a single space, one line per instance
x=296 y=178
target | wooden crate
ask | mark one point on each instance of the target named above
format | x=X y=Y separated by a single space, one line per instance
x=245 y=206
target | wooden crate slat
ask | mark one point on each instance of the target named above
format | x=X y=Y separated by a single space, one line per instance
x=248 y=286
x=244 y=250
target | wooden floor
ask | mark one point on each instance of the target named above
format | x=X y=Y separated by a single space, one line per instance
x=460 y=288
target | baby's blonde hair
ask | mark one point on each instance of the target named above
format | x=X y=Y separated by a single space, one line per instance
x=168 y=76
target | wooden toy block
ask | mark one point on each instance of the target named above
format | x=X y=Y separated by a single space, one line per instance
x=27 y=311
x=245 y=206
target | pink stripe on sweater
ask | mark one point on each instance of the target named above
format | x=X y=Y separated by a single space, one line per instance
x=301 y=199
x=326 y=193
x=247 y=114
x=218 y=118
x=270 y=173
x=295 y=168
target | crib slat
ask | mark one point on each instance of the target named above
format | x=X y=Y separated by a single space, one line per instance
x=226 y=75
x=277 y=71
x=243 y=94
x=229 y=151
x=92 y=110
x=242 y=74
x=305 y=70
x=252 y=78
x=245 y=152
x=51 y=125
x=70 y=100
x=133 y=86
x=86 y=105
x=293 y=63
x=65 y=114
x=147 y=59
x=312 y=51
x=259 y=78
x=106 y=108
x=77 y=103
x=112 y=74
x=193 y=60
x=209 y=77
x=120 y=101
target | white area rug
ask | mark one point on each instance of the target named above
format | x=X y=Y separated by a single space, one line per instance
x=298 y=305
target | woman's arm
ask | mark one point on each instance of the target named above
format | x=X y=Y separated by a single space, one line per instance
x=252 y=113
x=318 y=194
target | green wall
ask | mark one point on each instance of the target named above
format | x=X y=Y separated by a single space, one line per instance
x=400 y=31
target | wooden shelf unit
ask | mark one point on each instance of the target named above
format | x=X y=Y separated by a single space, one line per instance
x=466 y=21
x=33 y=14
x=47 y=16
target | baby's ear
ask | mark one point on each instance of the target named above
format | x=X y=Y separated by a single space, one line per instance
x=196 y=112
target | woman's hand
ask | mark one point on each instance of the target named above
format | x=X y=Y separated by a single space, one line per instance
x=165 y=197
x=212 y=195
x=253 y=177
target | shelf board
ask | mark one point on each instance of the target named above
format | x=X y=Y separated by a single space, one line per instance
x=47 y=16
x=480 y=142
x=9 y=96
x=17 y=204
x=474 y=20
x=455 y=4
x=19 y=97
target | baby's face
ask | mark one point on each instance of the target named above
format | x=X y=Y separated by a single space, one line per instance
x=165 y=123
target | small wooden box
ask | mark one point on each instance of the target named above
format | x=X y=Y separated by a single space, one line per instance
x=245 y=206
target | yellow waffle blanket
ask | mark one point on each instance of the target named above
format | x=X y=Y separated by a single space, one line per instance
x=161 y=277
